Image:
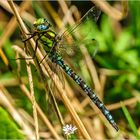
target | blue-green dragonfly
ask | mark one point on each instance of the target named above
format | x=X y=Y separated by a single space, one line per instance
x=51 y=40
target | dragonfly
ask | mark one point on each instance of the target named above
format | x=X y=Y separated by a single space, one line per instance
x=50 y=41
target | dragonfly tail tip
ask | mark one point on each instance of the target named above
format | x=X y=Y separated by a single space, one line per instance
x=115 y=126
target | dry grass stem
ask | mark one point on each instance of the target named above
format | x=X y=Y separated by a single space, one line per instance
x=14 y=113
x=9 y=30
x=67 y=103
x=84 y=51
x=53 y=14
x=127 y=102
x=40 y=112
x=91 y=68
x=111 y=11
x=24 y=14
x=72 y=97
x=103 y=82
x=111 y=72
x=65 y=10
x=22 y=53
x=57 y=82
x=57 y=109
x=33 y=98
x=24 y=30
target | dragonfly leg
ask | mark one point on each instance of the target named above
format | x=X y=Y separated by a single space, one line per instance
x=47 y=53
x=32 y=35
x=36 y=42
x=36 y=45
x=43 y=58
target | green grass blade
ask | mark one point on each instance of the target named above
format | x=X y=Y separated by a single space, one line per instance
x=130 y=121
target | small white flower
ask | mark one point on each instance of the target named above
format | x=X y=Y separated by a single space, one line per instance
x=69 y=129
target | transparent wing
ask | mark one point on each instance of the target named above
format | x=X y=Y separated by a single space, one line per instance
x=91 y=44
x=83 y=32
x=57 y=70
x=91 y=15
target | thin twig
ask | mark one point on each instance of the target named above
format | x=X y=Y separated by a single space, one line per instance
x=33 y=98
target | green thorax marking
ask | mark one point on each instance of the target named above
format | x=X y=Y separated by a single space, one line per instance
x=48 y=39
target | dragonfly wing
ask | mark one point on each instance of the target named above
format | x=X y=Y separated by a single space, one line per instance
x=81 y=33
x=92 y=14
x=91 y=44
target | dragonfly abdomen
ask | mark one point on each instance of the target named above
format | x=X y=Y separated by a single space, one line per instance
x=56 y=58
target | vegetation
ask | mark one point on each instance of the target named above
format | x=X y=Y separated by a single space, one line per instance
x=111 y=66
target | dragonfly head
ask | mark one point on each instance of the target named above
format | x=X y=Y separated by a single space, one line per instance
x=41 y=24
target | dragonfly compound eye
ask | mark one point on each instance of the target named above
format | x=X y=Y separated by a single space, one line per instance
x=41 y=24
x=42 y=27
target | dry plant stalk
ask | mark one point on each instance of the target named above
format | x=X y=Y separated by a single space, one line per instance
x=88 y=60
x=40 y=112
x=9 y=29
x=54 y=77
x=111 y=11
x=33 y=98
x=7 y=102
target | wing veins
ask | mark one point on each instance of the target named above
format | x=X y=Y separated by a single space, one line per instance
x=96 y=15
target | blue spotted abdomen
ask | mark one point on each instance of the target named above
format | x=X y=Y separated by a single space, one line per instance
x=56 y=58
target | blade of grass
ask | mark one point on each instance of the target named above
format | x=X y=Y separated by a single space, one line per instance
x=130 y=121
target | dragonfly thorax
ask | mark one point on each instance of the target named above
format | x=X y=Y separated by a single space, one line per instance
x=41 y=25
x=48 y=39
